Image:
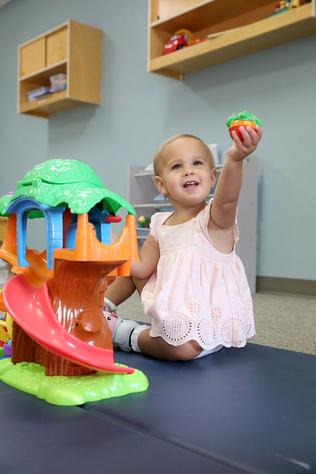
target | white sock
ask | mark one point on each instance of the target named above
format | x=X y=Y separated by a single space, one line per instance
x=134 y=337
x=206 y=352
x=109 y=306
x=126 y=334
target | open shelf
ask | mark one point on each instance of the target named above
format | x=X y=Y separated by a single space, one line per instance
x=144 y=173
x=249 y=26
x=154 y=205
x=48 y=104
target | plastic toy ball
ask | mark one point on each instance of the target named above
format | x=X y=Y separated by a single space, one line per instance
x=241 y=119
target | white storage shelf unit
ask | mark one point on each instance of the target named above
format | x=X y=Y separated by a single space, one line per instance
x=142 y=191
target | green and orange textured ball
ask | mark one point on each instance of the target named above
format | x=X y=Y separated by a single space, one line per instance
x=242 y=119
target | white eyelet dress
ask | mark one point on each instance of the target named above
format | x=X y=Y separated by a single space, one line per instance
x=197 y=292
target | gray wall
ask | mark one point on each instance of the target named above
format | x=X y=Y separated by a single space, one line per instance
x=140 y=110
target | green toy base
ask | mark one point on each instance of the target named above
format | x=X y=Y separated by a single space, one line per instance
x=69 y=391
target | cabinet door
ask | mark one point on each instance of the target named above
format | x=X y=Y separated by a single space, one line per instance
x=56 y=47
x=32 y=57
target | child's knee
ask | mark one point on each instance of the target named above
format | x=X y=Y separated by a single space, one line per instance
x=186 y=351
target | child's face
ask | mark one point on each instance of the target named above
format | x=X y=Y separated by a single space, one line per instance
x=185 y=172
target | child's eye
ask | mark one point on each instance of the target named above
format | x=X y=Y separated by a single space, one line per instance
x=176 y=166
x=198 y=162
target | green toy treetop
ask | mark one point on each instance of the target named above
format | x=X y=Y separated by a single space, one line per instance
x=4 y=202
x=58 y=182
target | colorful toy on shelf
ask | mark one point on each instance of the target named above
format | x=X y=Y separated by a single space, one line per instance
x=143 y=221
x=56 y=298
x=285 y=5
x=242 y=119
x=181 y=39
x=36 y=94
x=58 y=82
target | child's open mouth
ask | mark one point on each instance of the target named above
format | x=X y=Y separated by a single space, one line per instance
x=190 y=184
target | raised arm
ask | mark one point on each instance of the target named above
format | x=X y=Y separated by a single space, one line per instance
x=148 y=259
x=223 y=210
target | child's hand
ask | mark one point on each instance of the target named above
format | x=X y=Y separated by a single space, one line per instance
x=242 y=148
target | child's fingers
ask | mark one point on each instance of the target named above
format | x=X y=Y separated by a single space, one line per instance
x=247 y=138
x=255 y=134
x=252 y=136
x=236 y=139
x=240 y=143
x=259 y=133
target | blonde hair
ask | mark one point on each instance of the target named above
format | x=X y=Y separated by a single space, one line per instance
x=159 y=151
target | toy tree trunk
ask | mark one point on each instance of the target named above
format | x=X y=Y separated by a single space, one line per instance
x=76 y=292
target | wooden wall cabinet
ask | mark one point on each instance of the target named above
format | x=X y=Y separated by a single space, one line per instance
x=73 y=49
x=244 y=27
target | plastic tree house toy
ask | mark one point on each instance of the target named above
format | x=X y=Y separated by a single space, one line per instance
x=61 y=343
x=241 y=119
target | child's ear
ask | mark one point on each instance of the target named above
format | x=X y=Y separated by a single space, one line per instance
x=213 y=176
x=160 y=185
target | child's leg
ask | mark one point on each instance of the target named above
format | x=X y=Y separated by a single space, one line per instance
x=157 y=347
x=124 y=331
x=131 y=335
x=123 y=287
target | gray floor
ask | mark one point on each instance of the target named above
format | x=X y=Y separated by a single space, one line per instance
x=283 y=321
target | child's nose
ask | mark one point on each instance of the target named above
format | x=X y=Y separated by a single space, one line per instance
x=188 y=171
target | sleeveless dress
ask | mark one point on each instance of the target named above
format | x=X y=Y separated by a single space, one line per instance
x=197 y=293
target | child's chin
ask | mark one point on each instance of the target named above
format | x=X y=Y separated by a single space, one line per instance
x=194 y=198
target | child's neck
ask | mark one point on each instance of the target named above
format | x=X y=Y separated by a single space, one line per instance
x=183 y=214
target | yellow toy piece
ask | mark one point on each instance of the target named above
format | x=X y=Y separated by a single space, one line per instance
x=6 y=328
x=190 y=37
x=4 y=336
x=9 y=323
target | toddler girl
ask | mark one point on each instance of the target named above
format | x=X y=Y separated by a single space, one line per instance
x=192 y=284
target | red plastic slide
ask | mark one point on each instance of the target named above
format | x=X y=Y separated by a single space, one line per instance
x=31 y=309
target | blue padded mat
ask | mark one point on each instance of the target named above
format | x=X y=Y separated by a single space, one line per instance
x=37 y=438
x=253 y=409
x=250 y=410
